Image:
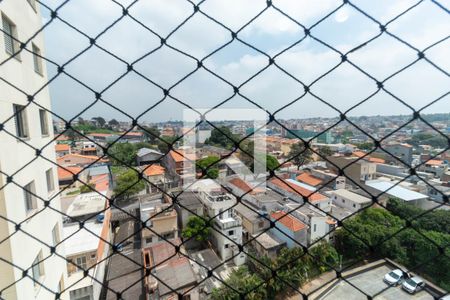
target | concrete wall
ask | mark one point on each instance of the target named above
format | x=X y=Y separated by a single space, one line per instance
x=22 y=250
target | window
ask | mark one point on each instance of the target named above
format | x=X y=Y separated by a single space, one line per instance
x=20 y=118
x=33 y=4
x=315 y=227
x=37 y=269
x=44 y=121
x=10 y=36
x=37 y=60
x=81 y=263
x=60 y=285
x=149 y=240
x=55 y=234
x=354 y=205
x=93 y=256
x=230 y=232
x=30 y=199
x=226 y=246
x=50 y=181
x=261 y=224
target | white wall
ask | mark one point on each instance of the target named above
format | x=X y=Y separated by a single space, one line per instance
x=14 y=154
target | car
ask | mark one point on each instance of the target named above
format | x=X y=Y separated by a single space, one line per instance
x=394 y=277
x=413 y=285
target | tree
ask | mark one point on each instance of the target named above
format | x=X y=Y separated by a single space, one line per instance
x=128 y=183
x=113 y=123
x=222 y=137
x=209 y=165
x=301 y=154
x=163 y=146
x=100 y=121
x=152 y=134
x=122 y=154
x=324 y=152
x=271 y=162
x=198 y=228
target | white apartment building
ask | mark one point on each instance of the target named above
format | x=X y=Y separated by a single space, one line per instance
x=227 y=232
x=27 y=249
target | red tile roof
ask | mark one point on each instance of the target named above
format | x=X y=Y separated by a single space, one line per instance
x=65 y=175
x=244 y=186
x=153 y=170
x=62 y=147
x=434 y=162
x=309 y=179
x=298 y=190
x=180 y=156
x=288 y=221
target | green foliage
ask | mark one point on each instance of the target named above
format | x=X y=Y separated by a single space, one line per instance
x=163 y=146
x=271 y=162
x=198 y=228
x=381 y=229
x=113 y=122
x=100 y=121
x=128 y=183
x=87 y=188
x=293 y=269
x=435 y=220
x=222 y=137
x=301 y=156
x=208 y=164
x=152 y=134
x=123 y=154
x=325 y=151
x=367 y=146
x=434 y=140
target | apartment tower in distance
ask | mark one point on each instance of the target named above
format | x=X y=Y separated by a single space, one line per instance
x=28 y=229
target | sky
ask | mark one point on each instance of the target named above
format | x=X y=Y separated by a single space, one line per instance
x=272 y=33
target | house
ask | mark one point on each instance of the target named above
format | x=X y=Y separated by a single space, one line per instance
x=62 y=149
x=181 y=164
x=155 y=176
x=146 y=156
x=227 y=234
x=86 y=206
x=268 y=244
x=289 y=229
x=309 y=179
x=263 y=199
x=161 y=222
x=86 y=250
x=66 y=176
x=253 y=220
x=187 y=204
x=78 y=160
x=88 y=148
x=434 y=166
x=401 y=151
x=355 y=170
x=170 y=273
x=317 y=222
x=295 y=192
x=349 y=200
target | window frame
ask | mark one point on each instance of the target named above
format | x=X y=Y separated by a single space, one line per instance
x=21 y=121
x=37 y=59
x=81 y=266
x=10 y=35
x=30 y=203
x=55 y=235
x=37 y=268
x=50 y=180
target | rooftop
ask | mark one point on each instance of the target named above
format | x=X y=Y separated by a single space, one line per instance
x=395 y=191
x=67 y=173
x=297 y=190
x=288 y=221
x=145 y=151
x=268 y=240
x=351 y=196
x=81 y=240
x=86 y=204
x=153 y=170
x=309 y=179
x=62 y=147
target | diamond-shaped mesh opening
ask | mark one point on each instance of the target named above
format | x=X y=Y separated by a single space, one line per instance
x=212 y=150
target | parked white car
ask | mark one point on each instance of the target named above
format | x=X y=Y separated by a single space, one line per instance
x=395 y=277
x=413 y=285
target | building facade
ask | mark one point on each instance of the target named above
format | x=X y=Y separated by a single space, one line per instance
x=23 y=195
